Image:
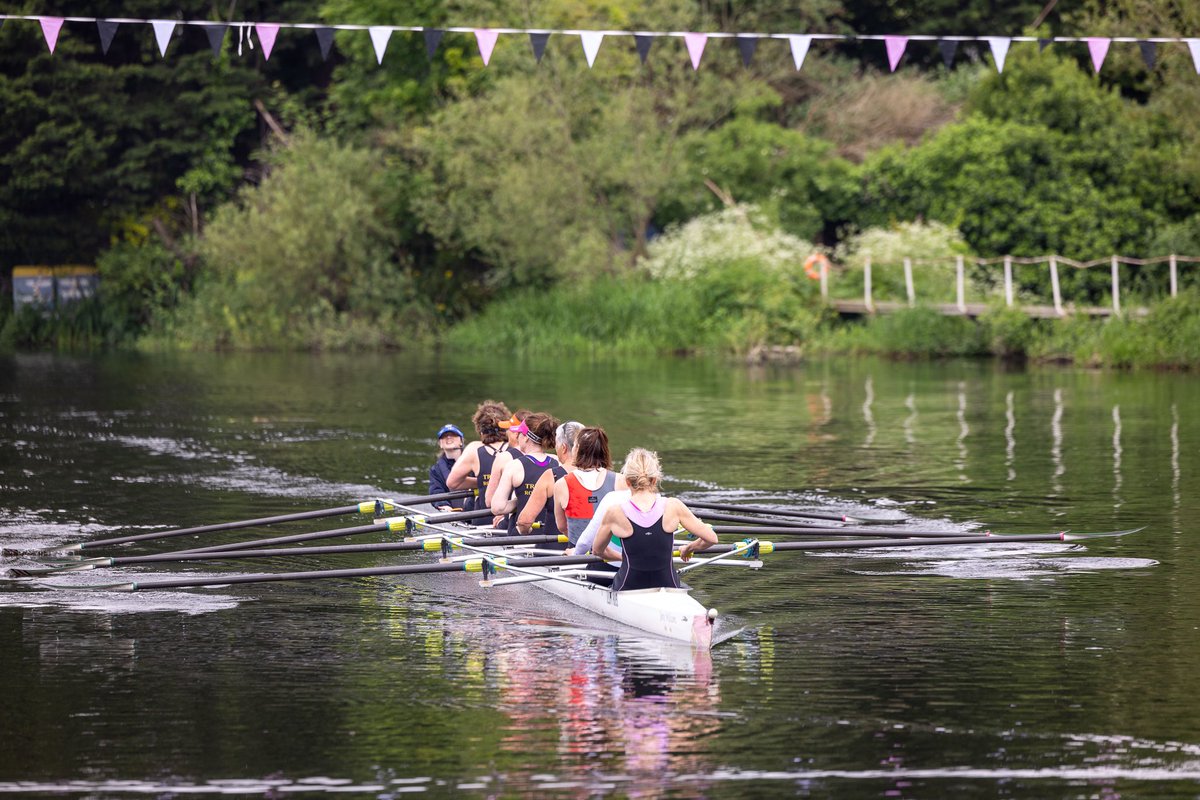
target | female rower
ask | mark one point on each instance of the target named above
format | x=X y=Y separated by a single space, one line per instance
x=564 y=447
x=646 y=525
x=511 y=490
x=510 y=427
x=473 y=469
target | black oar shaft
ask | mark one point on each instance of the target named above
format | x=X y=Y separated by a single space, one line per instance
x=719 y=516
x=802 y=531
x=787 y=512
x=337 y=549
x=364 y=572
x=842 y=544
x=378 y=525
x=253 y=523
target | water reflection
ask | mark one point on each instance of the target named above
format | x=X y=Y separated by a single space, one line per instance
x=1116 y=443
x=1175 y=454
x=868 y=417
x=1010 y=440
x=910 y=422
x=1056 y=443
x=963 y=431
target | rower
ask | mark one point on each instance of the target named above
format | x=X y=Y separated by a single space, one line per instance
x=588 y=481
x=473 y=469
x=511 y=490
x=450 y=442
x=502 y=460
x=564 y=447
x=645 y=524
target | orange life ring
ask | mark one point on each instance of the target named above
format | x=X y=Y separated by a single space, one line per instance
x=815 y=264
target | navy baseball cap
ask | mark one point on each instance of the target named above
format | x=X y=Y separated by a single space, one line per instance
x=450 y=429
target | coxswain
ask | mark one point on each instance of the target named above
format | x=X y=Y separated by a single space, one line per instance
x=512 y=488
x=473 y=469
x=450 y=442
x=645 y=524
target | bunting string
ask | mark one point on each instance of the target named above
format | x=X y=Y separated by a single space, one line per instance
x=695 y=42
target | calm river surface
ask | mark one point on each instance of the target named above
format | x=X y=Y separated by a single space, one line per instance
x=1025 y=671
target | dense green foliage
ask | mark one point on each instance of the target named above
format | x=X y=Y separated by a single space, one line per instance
x=309 y=203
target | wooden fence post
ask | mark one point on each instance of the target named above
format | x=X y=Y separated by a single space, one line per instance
x=1116 y=288
x=962 y=292
x=867 y=284
x=1008 y=283
x=825 y=281
x=908 y=283
x=1174 y=277
x=1058 y=309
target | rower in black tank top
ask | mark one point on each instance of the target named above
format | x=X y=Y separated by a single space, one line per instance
x=533 y=471
x=487 y=457
x=646 y=555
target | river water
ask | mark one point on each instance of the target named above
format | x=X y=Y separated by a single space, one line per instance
x=1022 y=671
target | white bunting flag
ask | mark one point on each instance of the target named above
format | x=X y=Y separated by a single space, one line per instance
x=1194 y=46
x=591 y=45
x=800 y=46
x=379 y=39
x=162 y=34
x=999 y=49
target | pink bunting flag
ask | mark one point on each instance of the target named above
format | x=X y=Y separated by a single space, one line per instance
x=800 y=45
x=895 y=49
x=162 y=34
x=591 y=45
x=50 y=28
x=380 y=36
x=266 y=36
x=999 y=46
x=1098 y=47
x=695 y=46
x=486 y=39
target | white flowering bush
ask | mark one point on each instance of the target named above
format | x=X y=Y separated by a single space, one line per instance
x=888 y=247
x=741 y=234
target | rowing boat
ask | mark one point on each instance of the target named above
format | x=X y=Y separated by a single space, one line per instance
x=668 y=612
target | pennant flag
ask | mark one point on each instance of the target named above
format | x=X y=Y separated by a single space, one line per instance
x=591 y=45
x=107 y=29
x=1194 y=46
x=1149 y=54
x=538 y=42
x=1043 y=44
x=433 y=37
x=695 y=46
x=486 y=39
x=746 y=45
x=216 y=37
x=162 y=34
x=999 y=49
x=799 y=48
x=895 y=49
x=1098 y=47
x=325 y=40
x=948 y=48
x=50 y=28
x=379 y=40
x=643 y=45
x=266 y=36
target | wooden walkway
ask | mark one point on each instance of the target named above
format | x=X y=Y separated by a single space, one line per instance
x=858 y=308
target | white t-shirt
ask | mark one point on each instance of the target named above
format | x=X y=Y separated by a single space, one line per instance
x=584 y=545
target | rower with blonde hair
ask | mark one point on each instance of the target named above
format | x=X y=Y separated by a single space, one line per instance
x=645 y=524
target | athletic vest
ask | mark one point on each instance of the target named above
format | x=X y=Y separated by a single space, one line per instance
x=646 y=555
x=487 y=457
x=533 y=471
x=582 y=502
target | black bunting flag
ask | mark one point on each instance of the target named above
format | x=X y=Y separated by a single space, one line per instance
x=433 y=37
x=746 y=46
x=1043 y=44
x=107 y=29
x=538 y=42
x=216 y=37
x=948 y=49
x=1149 y=54
x=325 y=41
x=643 y=45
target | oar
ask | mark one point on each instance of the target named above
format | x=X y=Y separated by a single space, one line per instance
x=280 y=552
x=413 y=522
x=861 y=519
x=365 y=507
x=782 y=530
x=765 y=547
x=470 y=565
